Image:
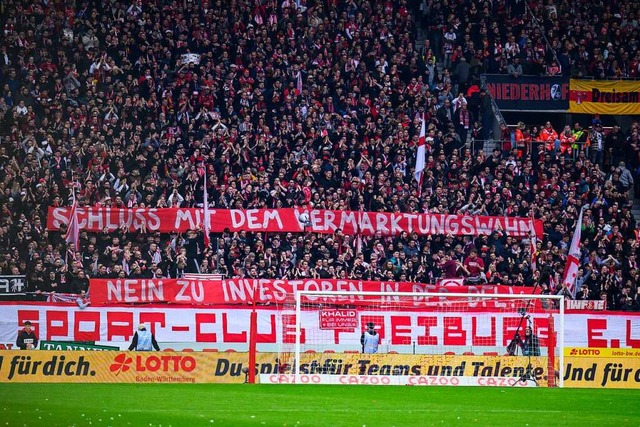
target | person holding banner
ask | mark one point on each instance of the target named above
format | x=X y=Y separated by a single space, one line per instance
x=27 y=339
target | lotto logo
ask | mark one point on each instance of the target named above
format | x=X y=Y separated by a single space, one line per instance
x=584 y=352
x=123 y=362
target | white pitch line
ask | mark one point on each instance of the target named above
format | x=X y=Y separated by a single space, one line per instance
x=386 y=410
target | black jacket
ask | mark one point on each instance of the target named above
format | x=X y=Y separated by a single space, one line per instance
x=25 y=336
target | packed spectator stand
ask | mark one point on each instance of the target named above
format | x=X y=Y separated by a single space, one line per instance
x=315 y=104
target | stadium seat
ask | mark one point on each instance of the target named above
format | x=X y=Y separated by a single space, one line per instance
x=352 y=351
x=210 y=350
x=329 y=351
x=230 y=350
x=310 y=351
x=490 y=353
x=450 y=353
x=468 y=353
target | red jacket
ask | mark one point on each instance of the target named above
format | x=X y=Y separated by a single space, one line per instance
x=548 y=136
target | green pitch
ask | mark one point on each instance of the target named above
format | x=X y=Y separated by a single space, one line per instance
x=286 y=405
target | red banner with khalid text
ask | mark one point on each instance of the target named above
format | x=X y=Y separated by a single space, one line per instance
x=168 y=220
x=243 y=291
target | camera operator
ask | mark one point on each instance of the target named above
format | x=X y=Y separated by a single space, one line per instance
x=514 y=344
x=530 y=344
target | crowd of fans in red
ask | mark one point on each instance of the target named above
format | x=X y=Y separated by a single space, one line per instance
x=553 y=37
x=315 y=103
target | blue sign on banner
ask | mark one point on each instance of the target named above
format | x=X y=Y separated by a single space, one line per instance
x=529 y=93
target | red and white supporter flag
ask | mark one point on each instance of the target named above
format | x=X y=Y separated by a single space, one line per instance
x=74 y=229
x=207 y=219
x=299 y=83
x=573 y=258
x=533 y=241
x=420 y=157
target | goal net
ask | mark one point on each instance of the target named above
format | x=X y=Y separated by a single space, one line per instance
x=428 y=338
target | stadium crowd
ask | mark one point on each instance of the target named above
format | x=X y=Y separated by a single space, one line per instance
x=315 y=103
x=568 y=37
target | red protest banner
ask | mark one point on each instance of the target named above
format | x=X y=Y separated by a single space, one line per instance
x=288 y=220
x=243 y=291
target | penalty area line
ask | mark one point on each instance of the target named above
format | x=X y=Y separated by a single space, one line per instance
x=388 y=410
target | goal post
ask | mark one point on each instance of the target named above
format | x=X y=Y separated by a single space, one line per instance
x=446 y=338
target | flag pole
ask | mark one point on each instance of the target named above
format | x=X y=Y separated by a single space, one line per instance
x=205 y=205
x=533 y=241
x=420 y=158
x=72 y=227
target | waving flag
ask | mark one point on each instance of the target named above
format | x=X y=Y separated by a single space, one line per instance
x=420 y=157
x=573 y=258
x=533 y=241
x=74 y=229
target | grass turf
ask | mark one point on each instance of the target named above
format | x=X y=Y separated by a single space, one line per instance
x=310 y=405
